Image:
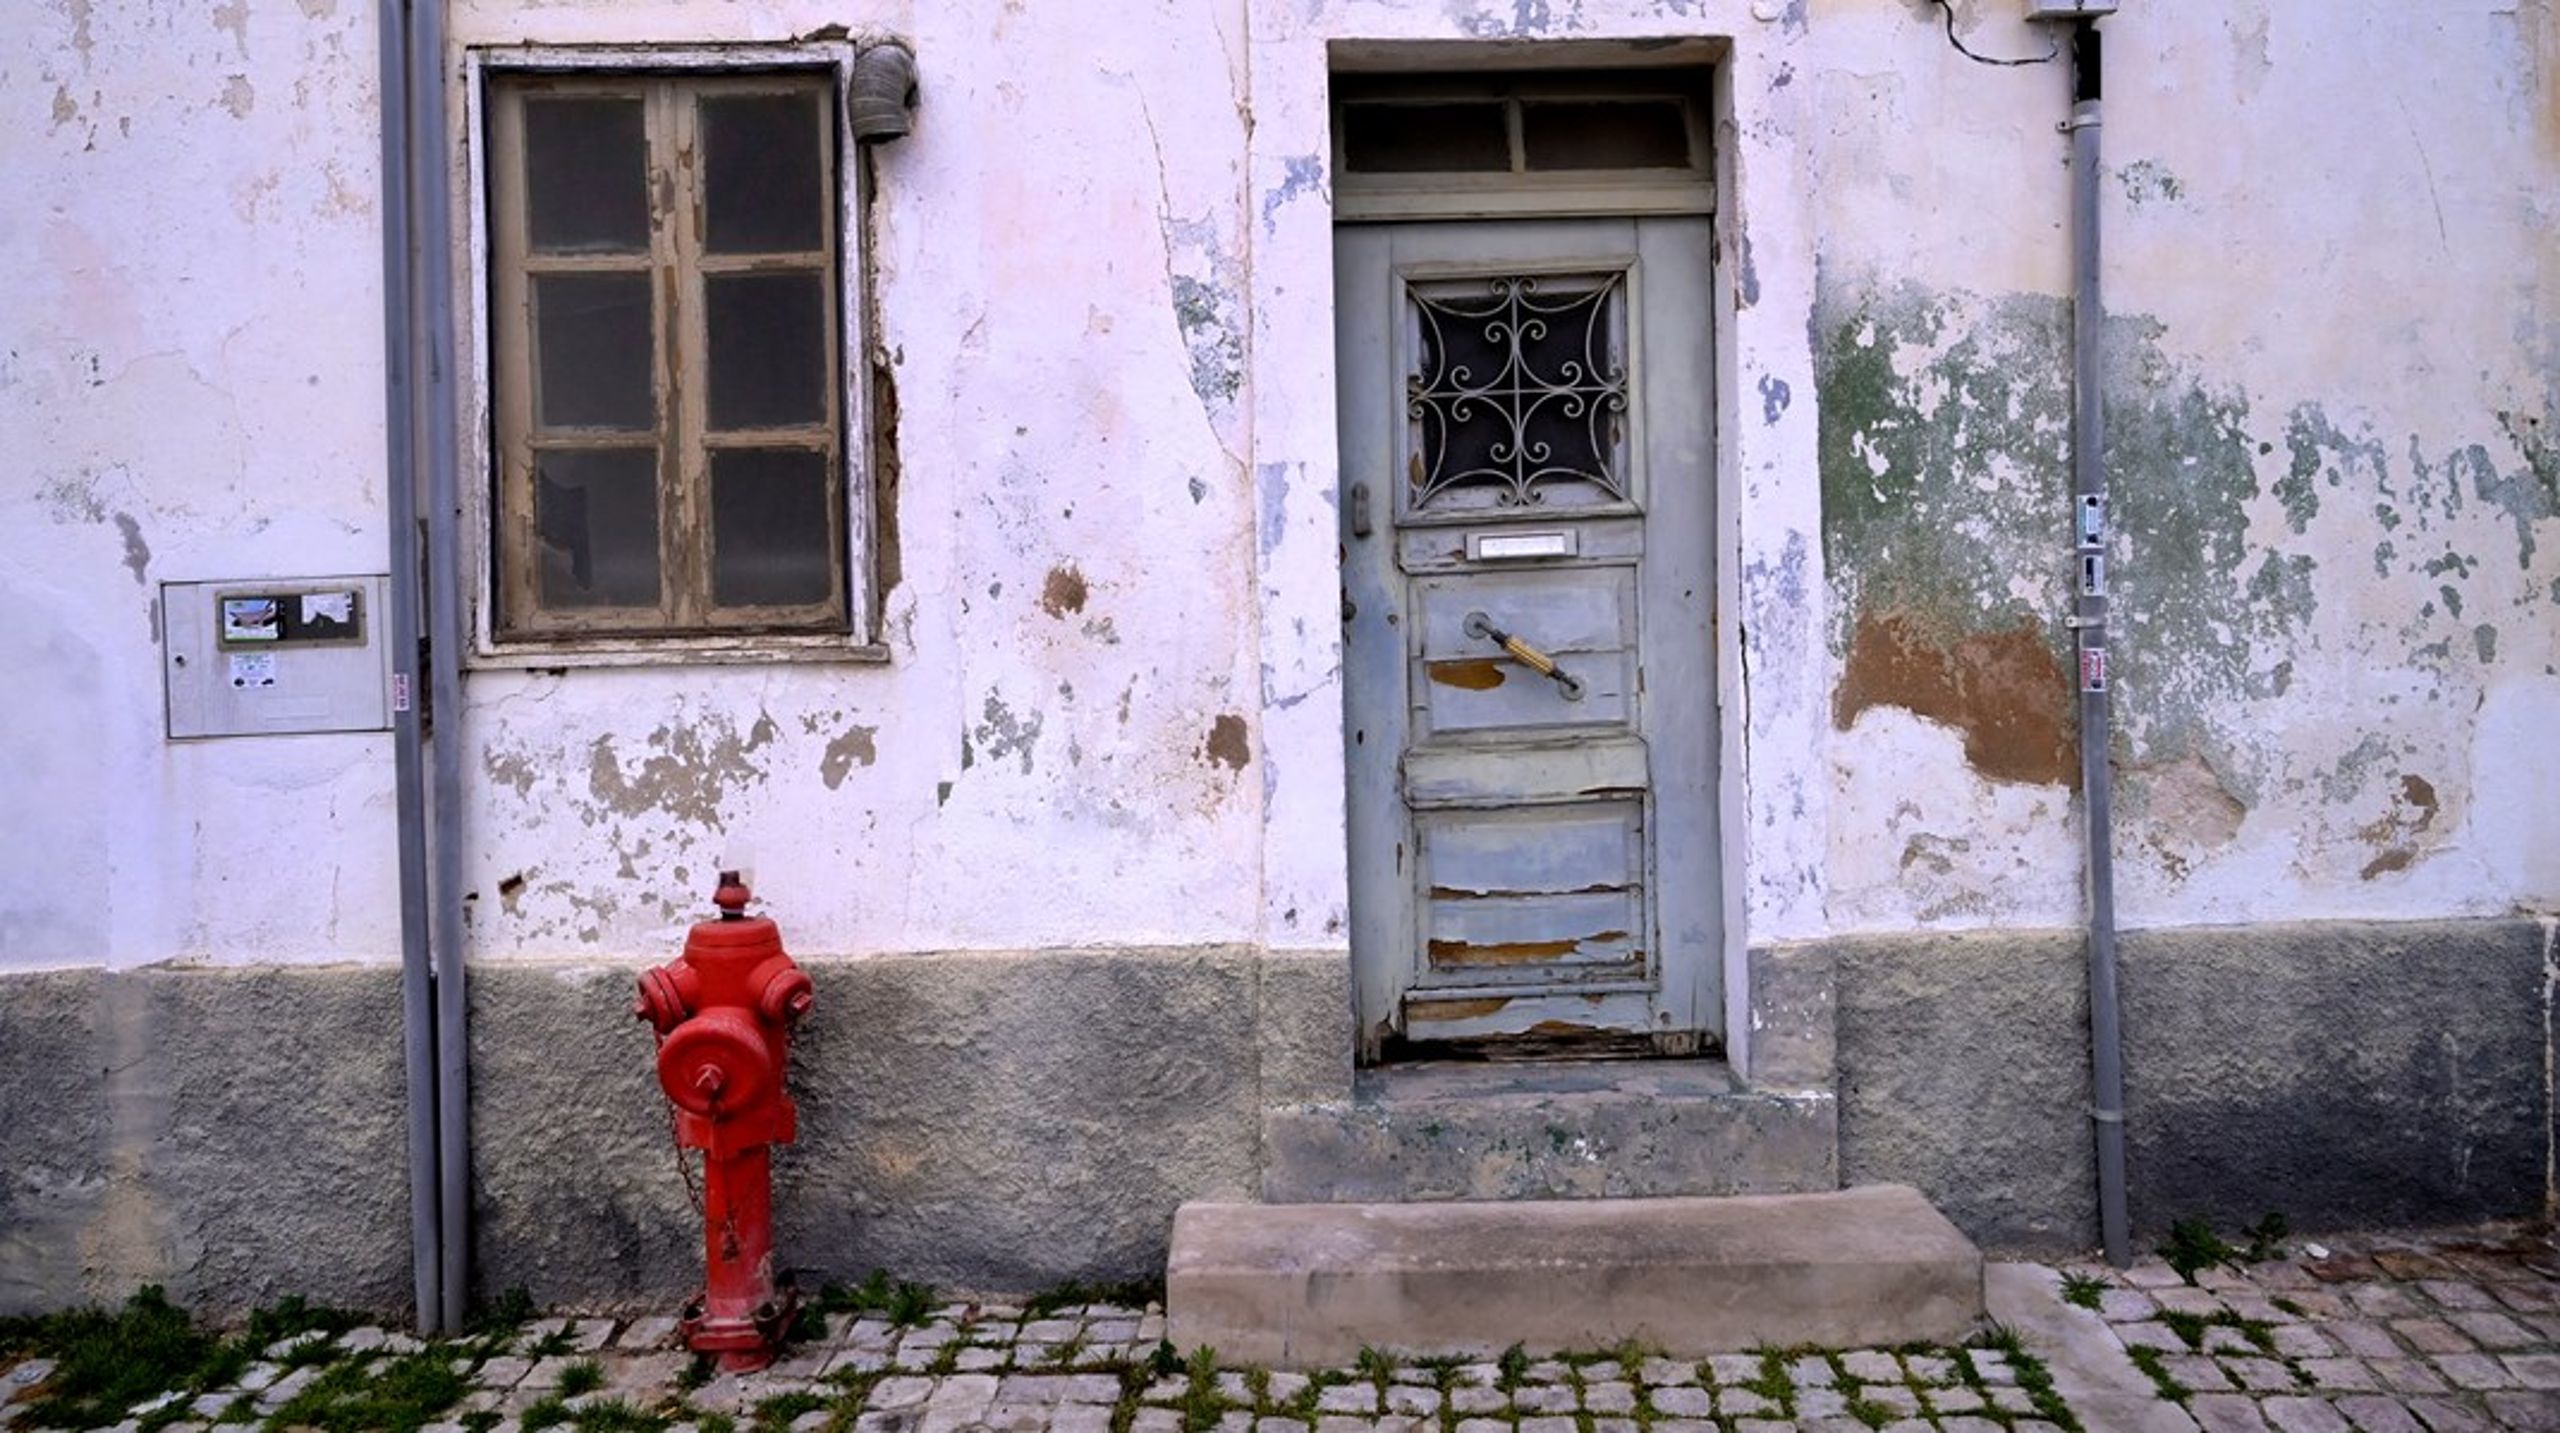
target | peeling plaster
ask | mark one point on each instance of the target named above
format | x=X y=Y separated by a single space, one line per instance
x=855 y=746
x=687 y=772
x=1003 y=733
x=1302 y=175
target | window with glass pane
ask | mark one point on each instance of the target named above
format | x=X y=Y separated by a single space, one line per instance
x=666 y=325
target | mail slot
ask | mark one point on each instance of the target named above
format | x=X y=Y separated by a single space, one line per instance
x=1522 y=546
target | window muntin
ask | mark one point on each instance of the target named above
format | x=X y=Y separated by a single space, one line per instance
x=669 y=383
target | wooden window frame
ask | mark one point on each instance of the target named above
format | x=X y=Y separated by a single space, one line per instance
x=510 y=628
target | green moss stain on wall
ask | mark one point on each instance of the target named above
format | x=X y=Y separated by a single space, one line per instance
x=1945 y=458
x=1945 y=453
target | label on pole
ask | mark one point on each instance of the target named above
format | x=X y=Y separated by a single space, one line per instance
x=399 y=691
x=2093 y=669
x=2093 y=574
x=2093 y=521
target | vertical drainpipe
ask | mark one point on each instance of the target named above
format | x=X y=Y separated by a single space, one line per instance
x=431 y=200
x=2089 y=486
x=400 y=499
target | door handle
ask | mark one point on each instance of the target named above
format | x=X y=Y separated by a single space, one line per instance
x=1479 y=625
x=1360 y=510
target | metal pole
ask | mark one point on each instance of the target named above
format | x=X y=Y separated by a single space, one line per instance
x=417 y=980
x=2089 y=486
x=432 y=197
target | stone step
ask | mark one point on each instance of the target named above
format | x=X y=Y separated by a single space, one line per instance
x=1586 y=1130
x=1310 y=1285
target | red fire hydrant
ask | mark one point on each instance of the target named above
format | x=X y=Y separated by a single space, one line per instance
x=724 y=1014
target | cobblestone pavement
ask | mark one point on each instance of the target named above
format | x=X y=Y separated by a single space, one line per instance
x=2382 y=1335
x=1080 y=1369
x=2387 y=1335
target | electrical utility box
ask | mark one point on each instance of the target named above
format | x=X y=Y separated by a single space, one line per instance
x=2070 y=9
x=273 y=658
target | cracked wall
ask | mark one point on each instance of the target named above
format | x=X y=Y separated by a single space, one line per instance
x=1028 y=768
x=2328 y=390
x=1102 y=273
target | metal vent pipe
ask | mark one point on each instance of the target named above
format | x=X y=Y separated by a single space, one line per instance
x=883 y=91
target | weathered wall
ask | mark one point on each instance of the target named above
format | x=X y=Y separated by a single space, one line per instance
x=1101 y=276
x=2343 y=1074
x=190 y=386
x=1071 y=690
x=2332 y=369
x=2332 y=439
x=997 y=1121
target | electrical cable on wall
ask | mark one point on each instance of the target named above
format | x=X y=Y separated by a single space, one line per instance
x=1950 y=10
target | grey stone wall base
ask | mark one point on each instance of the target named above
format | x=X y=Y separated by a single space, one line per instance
x=995 y=1122
x=985 y=1122
x=232 y=1135
x=2341 y=1073
x=1005 y=1121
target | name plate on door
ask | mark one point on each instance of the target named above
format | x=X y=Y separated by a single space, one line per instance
x=1517 y=546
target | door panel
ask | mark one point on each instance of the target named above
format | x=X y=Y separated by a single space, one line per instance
x=1528 y=632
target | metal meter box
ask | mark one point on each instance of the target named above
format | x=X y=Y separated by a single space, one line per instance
x=269 y=658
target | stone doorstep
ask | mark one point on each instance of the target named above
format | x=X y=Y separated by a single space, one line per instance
x=1310 y=1285
x=1632 y=1128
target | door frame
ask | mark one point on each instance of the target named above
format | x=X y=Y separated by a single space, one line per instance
x=1362 y=201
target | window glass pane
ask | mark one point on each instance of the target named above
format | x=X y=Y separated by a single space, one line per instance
x=593 y=346
x=769 y=529
x=595 y=520
x=769 y=349
x=762 y=185
x=1605 y=134
x=586 y=175
x=1414 y=138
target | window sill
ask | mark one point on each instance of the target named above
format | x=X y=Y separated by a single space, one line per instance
x=677 y=652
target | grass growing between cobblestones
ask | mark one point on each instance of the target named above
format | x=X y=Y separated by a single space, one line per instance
x=890 y=1357
x=106 y=1362
x=2149 y=1361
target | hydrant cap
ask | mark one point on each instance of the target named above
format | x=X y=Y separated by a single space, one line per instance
x=717 y=1063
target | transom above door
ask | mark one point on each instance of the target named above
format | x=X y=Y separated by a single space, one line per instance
x=1527 y=496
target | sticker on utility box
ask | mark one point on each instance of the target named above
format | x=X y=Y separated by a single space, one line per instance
x=2093 y=669
x=252 y=619
x=328 y=614
x=253 y=669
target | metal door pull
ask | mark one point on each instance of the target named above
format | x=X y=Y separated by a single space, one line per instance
x=1479 y=625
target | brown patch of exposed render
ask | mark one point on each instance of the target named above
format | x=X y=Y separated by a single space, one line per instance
x=1063 y=592
x=2398 y=858
x=1227 y=744
x=2413 y=811
x=886 y=565
x=2188 y=811
x=2004 y=691
x=1474 y=674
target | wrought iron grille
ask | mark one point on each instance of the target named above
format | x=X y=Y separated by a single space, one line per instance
x=1521 y=390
